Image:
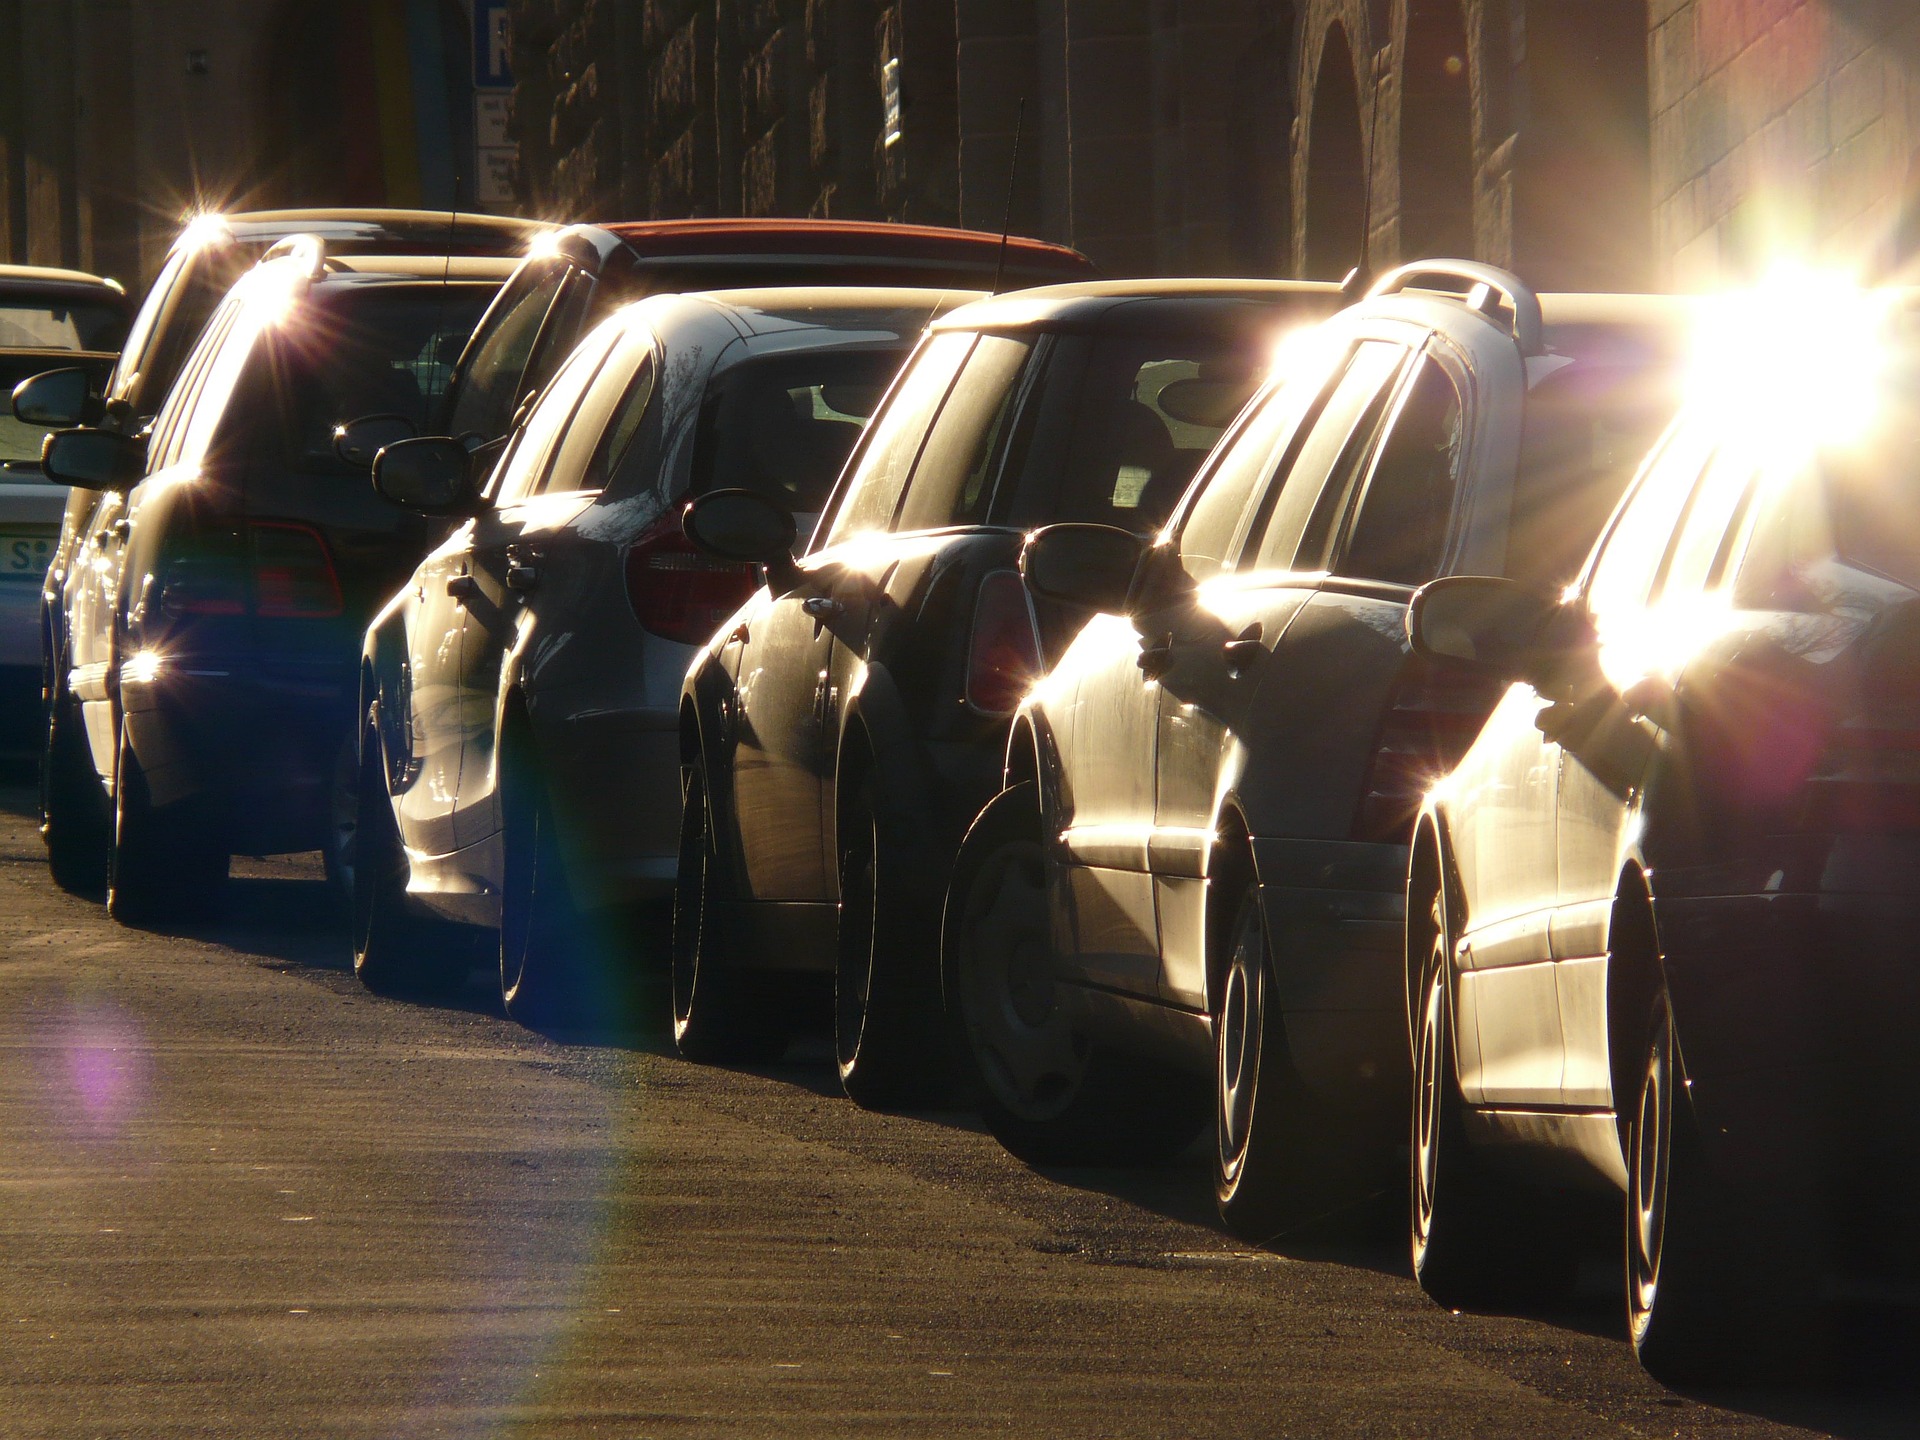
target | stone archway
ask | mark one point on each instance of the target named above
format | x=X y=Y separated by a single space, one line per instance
x=1436 y=162
x=1336 y=188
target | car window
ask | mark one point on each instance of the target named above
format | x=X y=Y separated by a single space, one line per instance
x=1630 y=556
x=171 y=425
x=619 y=455
x=363 y=350
x=950 y=484
x=784 y=425
x=566 y=323
x=488 y=389
x=1312 y=484
x=1587 y=426
x=134 y=353
x=872 y=491
x=1210 y=532
x=522 y=469
x=1121 y=424
x=206 y=278
x=39 y=322
x=1399 y=532
x=615 y=404
x=1698 y=555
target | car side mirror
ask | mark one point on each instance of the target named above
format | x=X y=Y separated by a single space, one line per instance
x=93 y=459
x=56 y=399
x=1090 y=567
x=745 y=525
x=432 y=474
x=1492 y=624
x=359 y=442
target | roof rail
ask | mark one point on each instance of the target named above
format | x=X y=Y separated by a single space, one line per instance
x=1480 y=287
x=309 y=251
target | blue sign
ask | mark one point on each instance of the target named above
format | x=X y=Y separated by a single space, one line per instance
x=492 y=45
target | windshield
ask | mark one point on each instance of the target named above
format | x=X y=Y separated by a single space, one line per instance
x=40 y=322
x=784 y=427
x=367 y=350
x=1121 y=424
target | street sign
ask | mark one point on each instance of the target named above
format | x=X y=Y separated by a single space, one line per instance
x=492 y=46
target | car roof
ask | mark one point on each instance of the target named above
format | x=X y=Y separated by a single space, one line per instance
x=1125 y=304
x=780 y=309
x=419 y=267
x=361 y=228
x=48 y=279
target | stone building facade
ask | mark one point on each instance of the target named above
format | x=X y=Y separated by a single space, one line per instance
x=1599 y=143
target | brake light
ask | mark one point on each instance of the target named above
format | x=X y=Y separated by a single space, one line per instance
x=1003 y=655
x=1431 y=719
x=678 y=591
x=293 y=574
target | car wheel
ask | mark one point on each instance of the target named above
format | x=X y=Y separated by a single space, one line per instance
x=343 y=819
x=1050 y=1094
x=1477 y=1239
x=1265 y=1156
x=165 y=863
x=396 y=950
x=547 y=958
x=1714 y=1292
x=888 y=1037
x=720 y=1016
x=75 y=820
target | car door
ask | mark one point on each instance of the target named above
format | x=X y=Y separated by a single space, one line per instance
x=506 y=547
x=433 y=620
x=784 y=686
x=1223 y=684
x=1658 y=568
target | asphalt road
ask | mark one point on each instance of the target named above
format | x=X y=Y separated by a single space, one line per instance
x=240 y=1197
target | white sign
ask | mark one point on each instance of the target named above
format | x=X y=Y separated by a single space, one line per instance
x=490 y=121
x=495 y=189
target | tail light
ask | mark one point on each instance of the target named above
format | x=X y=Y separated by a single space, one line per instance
x=272 y=569
x=1003 y=655
x=678 y=591
x=1431 y=719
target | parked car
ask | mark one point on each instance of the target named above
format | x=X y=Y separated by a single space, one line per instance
x=234 y=558
x=576 y=277
x=1188 y=894
x=840 y=731
x=205 y=260
x=46 y=317
x=519 y=751
x=1662 y=915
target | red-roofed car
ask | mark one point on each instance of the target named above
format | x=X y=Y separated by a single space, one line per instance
x=573 y=278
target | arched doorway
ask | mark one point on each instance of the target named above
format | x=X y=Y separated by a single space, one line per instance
x=1436 y=133
x=1336 y=200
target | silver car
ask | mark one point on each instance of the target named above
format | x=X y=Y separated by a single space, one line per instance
x=520 y=763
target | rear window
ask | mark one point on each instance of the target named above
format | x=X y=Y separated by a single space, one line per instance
x=1120 y=425
x=1588 y=425
x=37 y=322
x=784 y=426
x=385 y=350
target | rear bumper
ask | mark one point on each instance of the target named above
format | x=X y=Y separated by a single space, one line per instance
x=255 y=742
x=1335 y=914
x=617 y=773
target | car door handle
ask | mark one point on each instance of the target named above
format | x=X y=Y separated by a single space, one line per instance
x=1156 y=657
x=1244 y=649
x=823 y=607
x=521 y=576
x=462 y=587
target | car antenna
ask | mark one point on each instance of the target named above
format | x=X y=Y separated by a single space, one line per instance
x=1006 y=217
x=1354 y=286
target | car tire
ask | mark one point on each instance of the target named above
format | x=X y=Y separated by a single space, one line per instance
x=396 y=950
x=889 y=1039
x=1268 y=1155
x=1049 y=1093
x=547 y=957
x=721 y=1015
x=1717 y=1291
x=1478 y=1240
x=75 y=819
x=343 y=819
x=166 y=864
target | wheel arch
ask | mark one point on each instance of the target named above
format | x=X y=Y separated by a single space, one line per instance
x=1635 y=969
x=1231 y=865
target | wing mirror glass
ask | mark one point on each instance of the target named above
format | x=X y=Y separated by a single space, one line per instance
x=744 y=525
x=1487 y=622
x=93 y=459
x=1087 y=566
x=56 y=399
x=359 y=442
x=432 y=474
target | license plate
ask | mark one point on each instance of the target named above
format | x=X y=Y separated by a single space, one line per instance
x=25 y=557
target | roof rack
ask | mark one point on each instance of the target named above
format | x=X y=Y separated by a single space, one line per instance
x=309 y=251
x=1481 y=288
